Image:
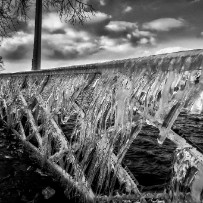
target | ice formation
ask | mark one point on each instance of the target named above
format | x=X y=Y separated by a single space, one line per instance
x=82 y=120
x=197 y=107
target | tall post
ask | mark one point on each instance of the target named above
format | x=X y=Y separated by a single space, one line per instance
x=36 y=61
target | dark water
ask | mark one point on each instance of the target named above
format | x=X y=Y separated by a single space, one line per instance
x=151 y=163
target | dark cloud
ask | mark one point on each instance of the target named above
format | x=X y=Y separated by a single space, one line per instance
x=59 y=31
x=63 y=55
x=18 y=53
x=117 y=29
x=193 y=1
x=96 y=24
x=164 y=24
x=121 y=31
x=71 y=53
x=148 y=10
x=112 y=7
x=60 y=51
x=130 y=32
x=22 y=26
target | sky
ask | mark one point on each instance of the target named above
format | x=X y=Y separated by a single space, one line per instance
x=119 y=29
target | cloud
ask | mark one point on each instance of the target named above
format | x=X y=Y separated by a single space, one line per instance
x=127 y=9
x=69 y=51
x=98 y=2
x=130 y=32
x=121 y=26
x=194 y=1
x=60 y=41
x=17 y=53
x=51 y=22
x=164 y=24
x=95 y=25
x=18 y=47
x=107 y=43
x=142 y=37
x=61 y=54
x=170 y=50
x=72 y=44
x=102 y=2
x=69 y=42
x=63 y=41
x=98 y=17
x=59 y=31
x=23 y=26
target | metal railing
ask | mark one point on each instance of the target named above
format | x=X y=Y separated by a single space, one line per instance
x=71 y=119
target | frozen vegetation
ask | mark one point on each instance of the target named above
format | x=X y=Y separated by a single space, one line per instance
x=79 y=122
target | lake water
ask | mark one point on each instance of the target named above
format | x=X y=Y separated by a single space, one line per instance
x=151 y=163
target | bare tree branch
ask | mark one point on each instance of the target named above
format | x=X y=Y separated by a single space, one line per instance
x=6 y=19
x=74 y=11
x=11 y=13
x=14 y=11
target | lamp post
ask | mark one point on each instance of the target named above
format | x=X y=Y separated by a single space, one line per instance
x=36 y=61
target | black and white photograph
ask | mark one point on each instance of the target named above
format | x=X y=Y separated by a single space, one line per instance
x=101 y=101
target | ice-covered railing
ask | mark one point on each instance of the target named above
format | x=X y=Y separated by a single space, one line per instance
x=79 y=122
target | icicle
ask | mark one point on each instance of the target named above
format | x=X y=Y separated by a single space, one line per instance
x=187 y=175
x=123 y=93
x=87 y=117
x=197 y=107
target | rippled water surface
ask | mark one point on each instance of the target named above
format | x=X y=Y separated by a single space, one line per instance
x=151 y=163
